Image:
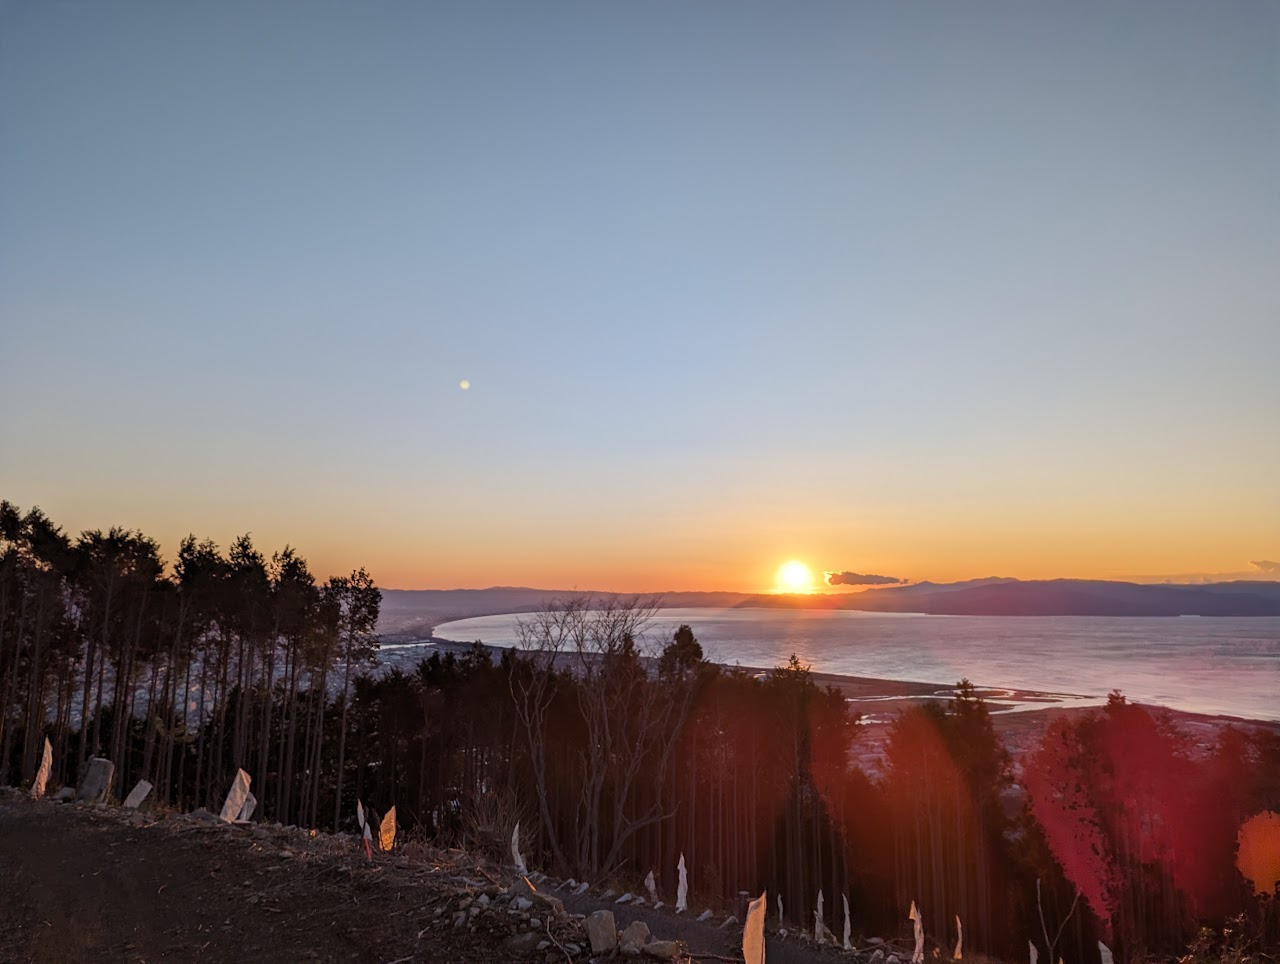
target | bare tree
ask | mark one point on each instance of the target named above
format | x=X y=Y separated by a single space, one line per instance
x=630 y=718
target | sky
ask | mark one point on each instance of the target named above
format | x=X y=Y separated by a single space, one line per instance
x=926 y=290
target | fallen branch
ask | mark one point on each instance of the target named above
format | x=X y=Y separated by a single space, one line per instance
x=552 y=937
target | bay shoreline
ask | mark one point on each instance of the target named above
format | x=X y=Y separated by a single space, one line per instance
x=1020 y=716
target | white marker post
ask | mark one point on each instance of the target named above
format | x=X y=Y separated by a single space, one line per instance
x=682 y=889
x=42 y=775
x=387 y=832
x=753 y=931
x=918 y=956
x=236 y=797
x=848 y=926
x=521 y=869
x=364 y=830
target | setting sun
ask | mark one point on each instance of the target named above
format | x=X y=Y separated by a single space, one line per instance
x=795 y=576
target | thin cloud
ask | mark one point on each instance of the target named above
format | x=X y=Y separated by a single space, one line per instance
x=1266 y=567
x=861 y=579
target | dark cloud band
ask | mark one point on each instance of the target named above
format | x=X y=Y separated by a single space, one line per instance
x=861 y=579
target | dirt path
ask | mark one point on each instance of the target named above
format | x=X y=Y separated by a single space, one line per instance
x=84 y=884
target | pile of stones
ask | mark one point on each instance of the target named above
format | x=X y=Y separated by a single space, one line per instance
x=530 y=923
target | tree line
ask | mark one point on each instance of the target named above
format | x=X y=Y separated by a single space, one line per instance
x=617 y=753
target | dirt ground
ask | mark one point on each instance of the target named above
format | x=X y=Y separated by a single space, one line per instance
x=79 y=883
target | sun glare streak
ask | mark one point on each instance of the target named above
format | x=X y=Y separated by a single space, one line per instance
x=795 y=576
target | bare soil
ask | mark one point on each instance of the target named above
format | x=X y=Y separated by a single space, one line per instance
x=83 y=883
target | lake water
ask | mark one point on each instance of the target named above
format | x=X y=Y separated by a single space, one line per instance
x=1216 y=665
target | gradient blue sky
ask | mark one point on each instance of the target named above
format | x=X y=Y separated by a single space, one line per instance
x=929 y=289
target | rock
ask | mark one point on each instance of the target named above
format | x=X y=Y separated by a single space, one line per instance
x=200 y=813
x=96 y=782
x=137 y=795
x=535 y=924
x=483 y=900
x=246 y=811
x=138 y=819
x=542 y=945
x=65 y=794
x=582 y=888
x=465 y=903
x=609 y=894
x=705 y=915
x=602 y=931
x=522 y=944
x=522 y=904
x=459 y=919
x=625 y=898
x=573 y=949
x=875 y=941
x=662 y=950
x=639 y=902
x=893 y=959
x=636 y=935
x=659 y=905
x=728 y=922
x=877 y=957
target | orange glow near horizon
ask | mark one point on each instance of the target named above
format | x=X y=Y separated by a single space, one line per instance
x=795 y=576
x=458 y=542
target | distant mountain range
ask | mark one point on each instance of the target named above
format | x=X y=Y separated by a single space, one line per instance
x=416 y=611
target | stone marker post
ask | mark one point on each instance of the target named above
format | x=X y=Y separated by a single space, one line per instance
x=137 y=795
x=96 y=782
